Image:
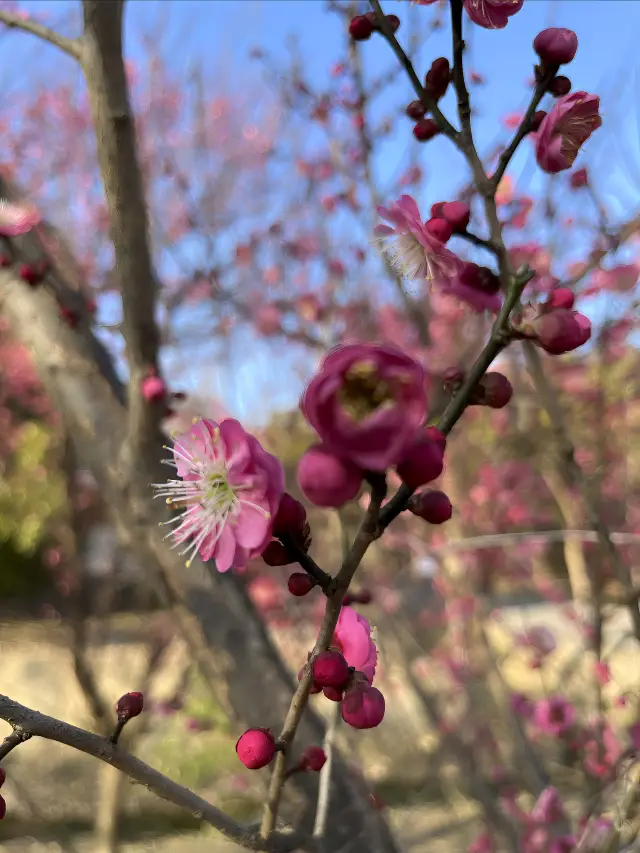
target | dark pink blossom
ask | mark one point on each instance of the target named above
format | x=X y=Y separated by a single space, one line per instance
x=366 y=403
x=352 y=638
x=565 y=129
x=555 y=715
x=492 y=14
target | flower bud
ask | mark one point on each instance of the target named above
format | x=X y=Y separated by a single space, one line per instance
x=275 y=554
x=422 y=463
x=416 y=110
x=313 y=758
x=439 y=228
x=560 y=297
x=326 y=480
x=360 y=28
x=432 y=506
x=300 y=584
x=559 y=86
x=536 y=120
x=363 y=706
x=425 y=129
x=561 y=331
x=335 y=694
x=479 y=278
x=579 y=179
x=256 y=748
x=129 y=706
x=330 y=669
x=394 y=22
x=493 y=390
x=556 y=45
x=315 y=688
x=457 y=214
x=153 y=389
x=437 y=78
x=290 y=517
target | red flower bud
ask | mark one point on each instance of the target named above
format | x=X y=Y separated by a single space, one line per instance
x=537 y=119
x=256 y=748
x=360 y=28
x=300 y=583
x=315 y=688
x=275 y=554
x=495 y=390
x=560 y=86
x=425 y=129
x=559 y=297
x=457 y=214
x=579 y=179
x=313 y=758
x=422 y=463
x=363 y=706
x=416 y=110
x=290 y=517
x=330 y=669
x=327 y=480
x=433 y=506
x=437 y=78
x=394 y=22
x=153 y=389
x=129 y=706
x=333 y=693
x=440 y=229
x=556 y=45
x=561 y=331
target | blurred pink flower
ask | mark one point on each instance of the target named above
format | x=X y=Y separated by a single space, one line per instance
x=548 y=807
x=555 y=715
x=231 y=488
x=411 y=248
x=16 y=219
x=352 y=637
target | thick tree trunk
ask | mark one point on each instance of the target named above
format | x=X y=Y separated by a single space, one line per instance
x=230 y=638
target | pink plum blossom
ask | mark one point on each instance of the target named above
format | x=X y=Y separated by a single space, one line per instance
x=412 y=249
x=492 y=14
x=16 y=219
x=548 y=807
x=229 y=489
x=554 y=715
x=565 y=129
x=352 y=637
x=366 y=402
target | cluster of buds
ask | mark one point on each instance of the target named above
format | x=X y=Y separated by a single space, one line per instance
x=256 y=748
x=555 y=46
x=362 y=27
x=290 y=527
x=436 y=83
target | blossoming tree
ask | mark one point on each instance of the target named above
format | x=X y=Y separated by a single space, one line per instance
x=368 y=405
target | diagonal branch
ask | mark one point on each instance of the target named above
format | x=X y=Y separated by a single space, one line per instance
x=29 y=723
x=14 y=21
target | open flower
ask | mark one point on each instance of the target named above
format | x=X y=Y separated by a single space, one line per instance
x=16 y=219
x=565 y=129
x=229 y=492
x=353 y=638
x=411 y=248
x=492 y=14
x=554 y=715
x=366 y=402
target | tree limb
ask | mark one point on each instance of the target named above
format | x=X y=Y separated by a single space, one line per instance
x=70 y=46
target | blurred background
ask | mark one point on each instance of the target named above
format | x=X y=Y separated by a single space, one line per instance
x=267 y=139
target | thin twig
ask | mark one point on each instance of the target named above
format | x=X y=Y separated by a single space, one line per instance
x=310 y=566
x=14 y=21
x=324 y=788
x=11 y=741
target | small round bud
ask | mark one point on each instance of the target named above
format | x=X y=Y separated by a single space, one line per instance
x=360 y=28
x=422 y=463
x=561 y=331
x=130 y=705
x=290 y=517
x=556 y=45
x=335 y=694
x=457 y=214
x=275 y=554
x=437 y=78
x=315 y=688
x=579 y=179
x=327 y=480
x=560 y=297
x=153 y=389
x=330 y=669
x=425 y=129
x=256 y=748
x=363 y=707
x=394 y=22
x=416 y=110
x=560 y=86
x=497 y=391
x=313 y=758
x=537 y=119
x=300 y=584
x=440 y=229
x=432 y=506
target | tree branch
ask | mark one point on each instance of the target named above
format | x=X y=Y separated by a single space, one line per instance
x=70 y=46
x=29 y=723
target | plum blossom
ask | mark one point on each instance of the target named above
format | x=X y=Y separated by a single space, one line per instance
x=229 y=489
x=554 y=715
x=366 y=402
x=411 y=248
x=16 y=219
x=353 y=638
x=565 y=129
x=492 y=14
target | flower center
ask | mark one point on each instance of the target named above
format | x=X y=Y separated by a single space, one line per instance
x=218 y=494
x=363 y=392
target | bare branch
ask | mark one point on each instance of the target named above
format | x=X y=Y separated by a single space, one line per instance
x=29 y=723
x=14 y=21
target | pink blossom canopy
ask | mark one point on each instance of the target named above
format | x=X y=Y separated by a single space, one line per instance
x=229 y=490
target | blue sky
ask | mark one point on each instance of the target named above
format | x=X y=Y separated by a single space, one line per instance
x=222 y=32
